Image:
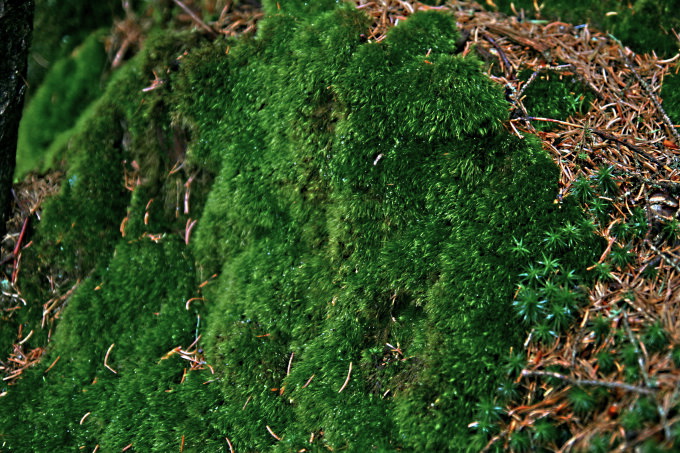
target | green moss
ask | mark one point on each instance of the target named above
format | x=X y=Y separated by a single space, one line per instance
x=356 y=206
x=554 y=96
x=367 y=224
x=70 y=86
x=126 y=304
x=61 y=26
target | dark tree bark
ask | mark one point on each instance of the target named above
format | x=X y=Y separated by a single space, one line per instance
x=16 y=25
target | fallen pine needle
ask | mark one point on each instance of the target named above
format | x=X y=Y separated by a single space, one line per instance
x=84 y=417
x=106 y=358
x=290 y=362
x=272 y=433
x=309 y=380
x=231 y=448
x=53 y=363
x=349 y=373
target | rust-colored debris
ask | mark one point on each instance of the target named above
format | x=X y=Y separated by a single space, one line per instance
x=26 y=208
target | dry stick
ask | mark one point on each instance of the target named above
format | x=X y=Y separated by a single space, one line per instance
x=508 y=67
x=231 y=447
x=550 y=120
x=349 y=373
x=662 y=255
x=593 y=382
x=195 y=18
x=106 y=358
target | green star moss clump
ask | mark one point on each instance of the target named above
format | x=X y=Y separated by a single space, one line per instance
x=368 y=221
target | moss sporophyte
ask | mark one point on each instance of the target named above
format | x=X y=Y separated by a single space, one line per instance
x=359 y=299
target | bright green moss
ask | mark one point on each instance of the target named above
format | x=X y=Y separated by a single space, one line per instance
x=298 y=7
x=369 y=196
x=81 y=225
x=126 y=304
x=367 y=224
x=70 y=86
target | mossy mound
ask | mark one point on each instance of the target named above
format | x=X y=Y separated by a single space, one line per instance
x=368 y=222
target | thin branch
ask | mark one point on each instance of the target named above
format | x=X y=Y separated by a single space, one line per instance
x=195 y=18
x=591 y=382
x=628 y=145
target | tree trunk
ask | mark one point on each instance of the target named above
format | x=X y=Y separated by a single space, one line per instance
x=16 y=25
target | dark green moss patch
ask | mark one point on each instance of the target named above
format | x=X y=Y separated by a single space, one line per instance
x=554 y=96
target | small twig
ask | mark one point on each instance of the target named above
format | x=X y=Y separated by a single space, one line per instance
x=652 y=97
x=349 y=373
x=504 y=59
x=662 y=255
x=195 y=18
x=550 y=120
x=591 y=382
x=231 y=447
